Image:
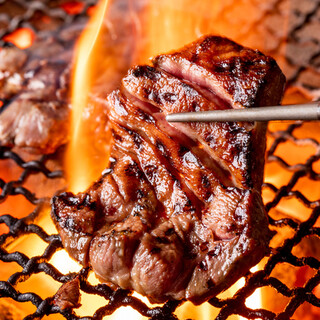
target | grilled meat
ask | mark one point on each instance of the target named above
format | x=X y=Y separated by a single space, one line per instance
x=178 y=213
x=34 y=87
x=68 y=295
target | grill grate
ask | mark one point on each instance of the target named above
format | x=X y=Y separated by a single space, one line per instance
x=294 y=234
x=233 y=305
x=38 y=15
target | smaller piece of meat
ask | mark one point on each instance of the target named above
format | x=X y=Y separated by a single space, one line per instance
x=38 y=117
x=68 y=295
x=34 y=85
x=12 y=60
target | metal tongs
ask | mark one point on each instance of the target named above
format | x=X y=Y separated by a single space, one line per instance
x=308 y=111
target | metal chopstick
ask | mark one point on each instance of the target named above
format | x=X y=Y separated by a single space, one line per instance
x=308 y=111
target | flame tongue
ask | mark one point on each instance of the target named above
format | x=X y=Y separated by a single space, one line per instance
x=80 y=152
x=104 y=53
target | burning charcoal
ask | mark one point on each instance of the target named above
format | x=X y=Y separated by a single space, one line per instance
x=179 y=214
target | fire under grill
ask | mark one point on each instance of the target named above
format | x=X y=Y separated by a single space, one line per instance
x=288 y=278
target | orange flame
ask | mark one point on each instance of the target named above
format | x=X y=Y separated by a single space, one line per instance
x=22 y=38
x=80 y=154
x=91 y=10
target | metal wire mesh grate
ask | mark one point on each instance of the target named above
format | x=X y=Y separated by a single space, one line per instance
x=279 y=255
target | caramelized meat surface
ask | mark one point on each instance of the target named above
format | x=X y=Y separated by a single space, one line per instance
x=178 y=212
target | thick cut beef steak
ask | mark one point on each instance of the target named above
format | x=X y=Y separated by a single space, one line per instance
x=178 y=212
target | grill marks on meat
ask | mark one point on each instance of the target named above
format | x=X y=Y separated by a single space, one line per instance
x=173 y=151
x=228 y=143
x=178 y=214
x=241 y=76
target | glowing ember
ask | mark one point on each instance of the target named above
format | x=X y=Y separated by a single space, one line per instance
x=91 y=10
x=22 y=38
x=73 y=7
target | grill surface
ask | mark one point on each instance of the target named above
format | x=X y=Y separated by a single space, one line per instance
x=38 y=15
x=280 y=254
x=291 y=272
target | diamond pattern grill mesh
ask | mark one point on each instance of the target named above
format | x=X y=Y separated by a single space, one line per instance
x=39 y=16
x=283 y=254
x=288 y=278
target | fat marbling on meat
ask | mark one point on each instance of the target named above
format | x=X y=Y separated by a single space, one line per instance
x=178 y=212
